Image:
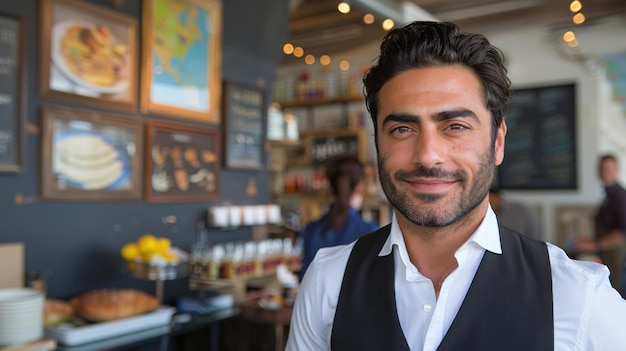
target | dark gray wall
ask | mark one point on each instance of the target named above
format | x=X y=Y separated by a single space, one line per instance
x=76 y=244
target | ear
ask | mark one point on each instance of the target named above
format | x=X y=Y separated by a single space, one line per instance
x=499 y=143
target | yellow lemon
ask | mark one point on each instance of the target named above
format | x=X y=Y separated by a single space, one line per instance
x=147 y=256
x=163 y=244
x=129 y=251
x=147 y=244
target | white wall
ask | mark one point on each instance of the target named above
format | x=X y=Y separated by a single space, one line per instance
x=533 y=60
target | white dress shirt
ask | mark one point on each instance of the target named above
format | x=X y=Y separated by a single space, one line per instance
x=588 y=313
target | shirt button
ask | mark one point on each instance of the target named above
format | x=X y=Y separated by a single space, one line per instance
x=427 y=307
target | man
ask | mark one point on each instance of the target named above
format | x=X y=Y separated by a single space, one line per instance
x=610 y=222
x=443 y=275
x=514 y=215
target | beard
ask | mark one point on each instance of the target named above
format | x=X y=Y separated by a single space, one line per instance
x=424 y=209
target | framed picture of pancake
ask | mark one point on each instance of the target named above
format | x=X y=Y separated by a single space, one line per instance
x=181 y=162
x=181 y=60
x=89 y=54
x=90 y=156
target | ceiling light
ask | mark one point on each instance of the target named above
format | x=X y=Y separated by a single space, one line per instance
x=578 y=18
x=288 y=48
x=368 y=18
x=388 y=24
x=343 y=7
x=344 y=65
x=569 y=36
x=325 y=60
x=309 y=59
x=298 y=52
x=575 y=6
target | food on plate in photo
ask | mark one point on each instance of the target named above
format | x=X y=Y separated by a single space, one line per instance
x=182 y=178
x=208 y=156
x=92 y=53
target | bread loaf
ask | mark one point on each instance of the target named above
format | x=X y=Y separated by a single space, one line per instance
x=112 y=304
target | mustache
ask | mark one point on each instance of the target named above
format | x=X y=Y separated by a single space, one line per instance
x=423 y=172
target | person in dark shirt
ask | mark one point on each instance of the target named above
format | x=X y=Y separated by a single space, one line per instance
x=610 y=222
x=342 y=224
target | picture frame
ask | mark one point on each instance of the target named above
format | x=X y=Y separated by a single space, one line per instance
x=181 y=62
x=244 y=110
x=90 y=155
x=12 y=94
x=181 y=163
x=89 y=54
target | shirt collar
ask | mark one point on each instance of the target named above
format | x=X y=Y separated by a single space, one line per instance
x=486 y=236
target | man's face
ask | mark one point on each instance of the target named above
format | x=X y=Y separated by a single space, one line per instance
x=609 y=171
x=435 y=155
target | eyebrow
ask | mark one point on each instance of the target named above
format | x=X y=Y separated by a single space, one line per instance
x=439 y=116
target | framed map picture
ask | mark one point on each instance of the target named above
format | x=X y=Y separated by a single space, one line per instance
x=181 y=62
x=88 y=54
x=181 y=163
x=88 y=155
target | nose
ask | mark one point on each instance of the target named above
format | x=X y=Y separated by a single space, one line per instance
x=429 y=149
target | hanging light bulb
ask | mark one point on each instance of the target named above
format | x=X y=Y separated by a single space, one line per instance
x=388 y=24
x=344 y=65
x=325 y=60
x=298 y=52
x=368 y=18
x=575 y=6
x=578 y=18
x=343 y=7
x=309 y=59
x=569 y=36
x=288 y=48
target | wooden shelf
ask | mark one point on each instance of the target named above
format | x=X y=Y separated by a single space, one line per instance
x=321 y=101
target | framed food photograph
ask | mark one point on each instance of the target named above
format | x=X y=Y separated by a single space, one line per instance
x=12 y=71
x=181 y=163
x=182 y=59
x=89 y=54
x=90 y=155
x=244 y=109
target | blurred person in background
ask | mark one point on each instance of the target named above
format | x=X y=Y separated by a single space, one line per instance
x=610 y=223
x=514 y=215
x=342 y=223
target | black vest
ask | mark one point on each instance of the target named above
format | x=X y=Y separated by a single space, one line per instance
x=508 y=305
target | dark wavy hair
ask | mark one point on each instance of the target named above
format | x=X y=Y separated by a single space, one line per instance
x=424 y=44
x=344 y=173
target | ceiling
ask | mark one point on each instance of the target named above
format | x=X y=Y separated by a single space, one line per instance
x=319 y=28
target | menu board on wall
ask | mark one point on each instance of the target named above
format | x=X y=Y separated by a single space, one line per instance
x=540 y=147
x=324 y=145
x=243 y=119
x=10 y=119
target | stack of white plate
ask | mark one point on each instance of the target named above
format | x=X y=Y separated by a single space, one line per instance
x=21 y=315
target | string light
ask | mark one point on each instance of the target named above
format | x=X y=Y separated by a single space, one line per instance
x=569 y=36
x=343 y=7
x=298 y=52
x=325 y=60
x=288 y=48
x=368 y=18
x=388 y=24
x=344 y=65
x=575 y=6
x=578 y=18
x=309 y=59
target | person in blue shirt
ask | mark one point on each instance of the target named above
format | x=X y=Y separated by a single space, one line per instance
x=342 y=223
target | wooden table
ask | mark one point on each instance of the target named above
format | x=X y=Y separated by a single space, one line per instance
x=279 y=319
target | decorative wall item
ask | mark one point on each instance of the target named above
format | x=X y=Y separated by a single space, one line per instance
x=541 y=139
x=88 y=54
x=323 y=145
x=88 y=155
x=11 y=95
x=181 y=62
x=243 y=122
x=181 y=163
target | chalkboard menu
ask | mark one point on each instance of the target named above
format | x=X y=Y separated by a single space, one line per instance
x=540 y=147
x=322 y=146
x=243 y=119
x=10 y=119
